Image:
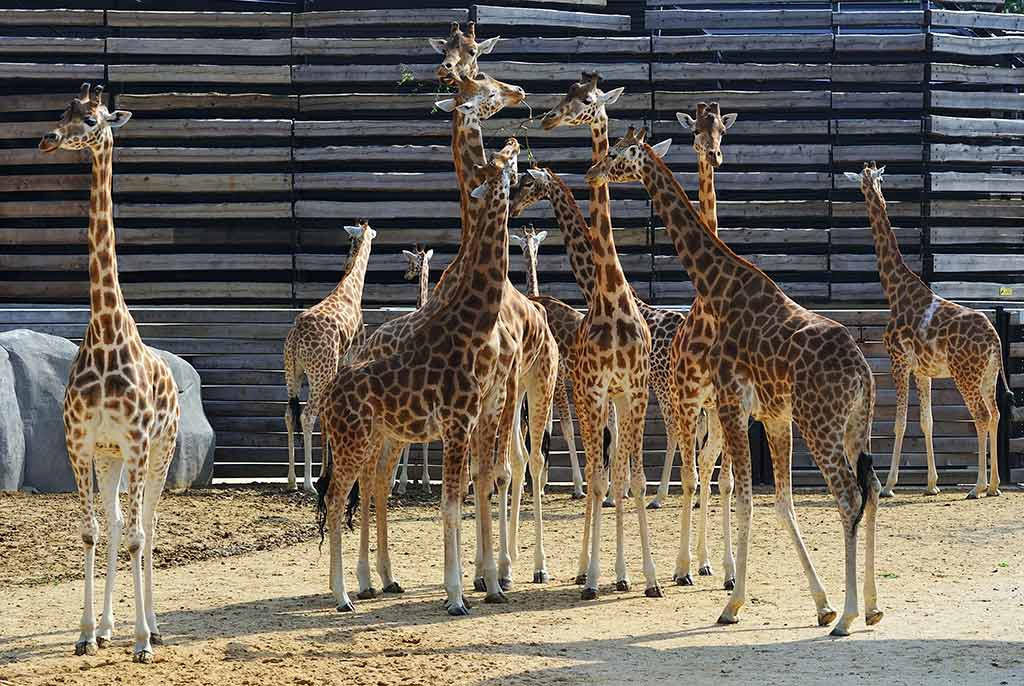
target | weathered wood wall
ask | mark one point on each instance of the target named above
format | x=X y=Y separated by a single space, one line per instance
x=256 y=135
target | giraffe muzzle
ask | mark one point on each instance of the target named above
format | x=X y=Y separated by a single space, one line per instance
x=50 y=142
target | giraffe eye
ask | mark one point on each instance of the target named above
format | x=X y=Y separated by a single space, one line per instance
x=89 y=121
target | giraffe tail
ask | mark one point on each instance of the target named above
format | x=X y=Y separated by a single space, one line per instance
x=352 y=506
x=296 y=409
x=865 y=479
x=1011 y=400
x=607 y=449
x=321 y=486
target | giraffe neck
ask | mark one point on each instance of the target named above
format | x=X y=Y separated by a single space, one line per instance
x=421 y=297
x=898 y=280
x=477 y=296
x=532 y=283
x=712 y=266
x=105 y=287
x=576 y=235
x=600 y=199
x=467 y=154
x=708 y=199
x=350 y=286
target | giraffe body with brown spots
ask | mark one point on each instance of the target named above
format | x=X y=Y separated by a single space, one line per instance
x=315 y=345
x=929 y=337
x=780 y=363
x=121 y=404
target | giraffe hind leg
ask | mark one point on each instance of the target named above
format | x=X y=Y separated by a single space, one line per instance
x=81 y=455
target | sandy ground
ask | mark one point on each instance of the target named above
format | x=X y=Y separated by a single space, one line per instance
x=951 y=581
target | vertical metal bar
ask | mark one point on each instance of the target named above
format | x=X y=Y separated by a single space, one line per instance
x=927 y=261
x=1002 y=398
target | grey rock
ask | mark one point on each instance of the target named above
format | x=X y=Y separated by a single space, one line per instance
x=12 y=437
x=193 y=453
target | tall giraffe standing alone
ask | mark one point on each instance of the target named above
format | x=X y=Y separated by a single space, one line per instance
x=564 y=321
x=315 y=346
x=121 y=404
x=430 y=387
x=780 y=363
x=932 y=338
x=418 y=269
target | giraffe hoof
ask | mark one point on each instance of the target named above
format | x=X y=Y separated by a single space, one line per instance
x=725 y=618
x=826 y=616
x=308 y=488
x=580 y=579
x=685 y=580
x=993 y=493
x=704 y=570
x=367 y=594
x=839 y=631
x=505 y=583
x=934 y=490
x=156 y=639
x=458 y=610
x=886 y=493
x=496 y=599
x=465 y=601
x=86 y=648
x=654 y=505
x=607 y=502
x=654 y=592
x=346 y=606
x=873 y=618
x=729 y=584
x=622 y=585
x=541 y=577
x=578 y=495
x=103 y=641
x=588 y=594
x=393 y=588
x=973 y=495
x=479 y=584
x=143 y=657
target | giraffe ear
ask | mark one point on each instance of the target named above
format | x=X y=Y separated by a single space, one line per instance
x=541 y=236
x=611 y=96
x=688 y=122
x=118 y=118
x=438 y=44
x=486 y=46
x=661 y=148
x=446 y=105
x=729 y=119
x=467 y=107
x=852 y=176
x=427 y=255
x=480 y=191
x=538 y=174
x=354 y=231
x=410 y=255
x=877 y=173
x=517 y=239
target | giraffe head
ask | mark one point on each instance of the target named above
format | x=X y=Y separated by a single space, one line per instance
x=418 y=261
x=481 y=97
x=86 y=123
x=530 y=242
x=583 y=105
x=531 y=188
x=460 y=51
x=625 y=160
x=870 y=179
x=708 y=127
x=502 y=170
x=358 y=234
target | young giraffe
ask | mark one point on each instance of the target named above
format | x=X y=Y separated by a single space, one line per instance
x=611 y=358
x=932 y=338
x=315 y=346
x=121 y=404
x=418 y=269
x=564 y=321
x=585 y=105
x=780 y=363
x=692 y=370
x=430 y=388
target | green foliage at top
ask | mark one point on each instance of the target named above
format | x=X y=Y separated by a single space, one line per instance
x=1014 y=6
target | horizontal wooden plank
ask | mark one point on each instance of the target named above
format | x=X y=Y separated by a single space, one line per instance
x=709 y=71
x=384 y=17
x=419 y=47
x=975 y=127
x=790 y=154
x=164 y=102
x=788 y=263
x=887 y=43
x=50 y=46
x=234 y=47
x=51 y=72
x=487 y=15
x=978 y=209
x=206 y=128
x=204 y=210
x=980 y=290
x=877 y=19
x=862 y=127
x=148 y=155
x=977 y=20
x=676 y=291
x=960 y=73
x=877 y=101
x=803 y=42
x=955 y=235
x=882 y=153
x=219 y=291
x=978 y=263
x=199 y=73
x=867 y=263
x=964 y=152
x=150 y=19
x=976 y=46
x=969 y=100
x=505 y=70
x=127 y=263
x=908 y=238
x=977 y=182
x=743 y=100
x=877 y=73
x=51 y=18
x=624 y=209
x=735 y=19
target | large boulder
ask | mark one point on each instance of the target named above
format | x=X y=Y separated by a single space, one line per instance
x=34 y=369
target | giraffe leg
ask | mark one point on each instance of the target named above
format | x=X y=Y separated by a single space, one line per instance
x=780 y=443
x=592 y=410
x=707 y=458
x=293 y=381
x=308 y=421
x=336 y=499
x=136 y=456
x=613 y=430
x=425 y=476
x=540 y=391
x=503 y=478
x=481 y=467
x=901 y=380
x=734 y=419
x=81 y=452
x=686 y=421
x=981 y=426
x=924 y=395
x=725 y=488
x=634 y=408
x=518 y=475
x=403 y=479
x=665 y=402
x=151 y=497
x=367 y=492
x=989 y=399
x=565 y=422
x=388 y=458
x=289 y=425
x=456 y=451
x=108 y=474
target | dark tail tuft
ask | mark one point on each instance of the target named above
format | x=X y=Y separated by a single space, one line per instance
x=296 y=410
x=353 y=504
x=545 y=446
x=321 y=487
x=607 y=451
x=524 y=424
x=865 y=475
x=1011 y=400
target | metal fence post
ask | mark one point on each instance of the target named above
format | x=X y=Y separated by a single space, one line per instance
x=1002 y=398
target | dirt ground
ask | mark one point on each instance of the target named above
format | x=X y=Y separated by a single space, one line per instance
x=242 y=598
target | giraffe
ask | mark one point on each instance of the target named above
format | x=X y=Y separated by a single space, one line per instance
x=429 y=387
x=692 y=369
x=780 y=363
x=121 y=403
x=316 y=344
x=585 y=105
x=932 y=338
x=564 y=321
x=611 y=358
x=418 y=268
x=460 y=51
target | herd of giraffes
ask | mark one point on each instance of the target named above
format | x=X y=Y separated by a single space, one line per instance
x=458 y=368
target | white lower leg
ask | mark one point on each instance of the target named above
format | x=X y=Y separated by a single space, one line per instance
x=982 y=483
x=115 y=525
x=307 y=448
x=363 y=576
x=872 y=613
x=143 y=649
x=650 y=573
x=452 y=565
x=403 y=479
x=291 y=448
x=842 y=627
x=87 y=638
x=574 y=460
x=725 y=496
x=787 y=515
x=540 y=571
x=682 y=571
x=666 y=471
x=594 y=564
x=425 y=476
x=584 y=559
x=738 y=597
x=342 y=602
x=618 y=492
x=993 y=433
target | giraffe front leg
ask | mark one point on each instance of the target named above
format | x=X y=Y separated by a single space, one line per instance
x=924 y=395
x=456 y=452
x=993 y=433
x=665 y=401
x=80 y=451
x=367 y=490
x=290 y=414
x=734 y=430
x=308 y=422
x=687 y=425
x=901 y=380
x=591 y=408
x=565 y=422
x=108 y=473
x=635 y=409
x=136 y=457
x=151 y=497
x=403 y=479
x=389 y=456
